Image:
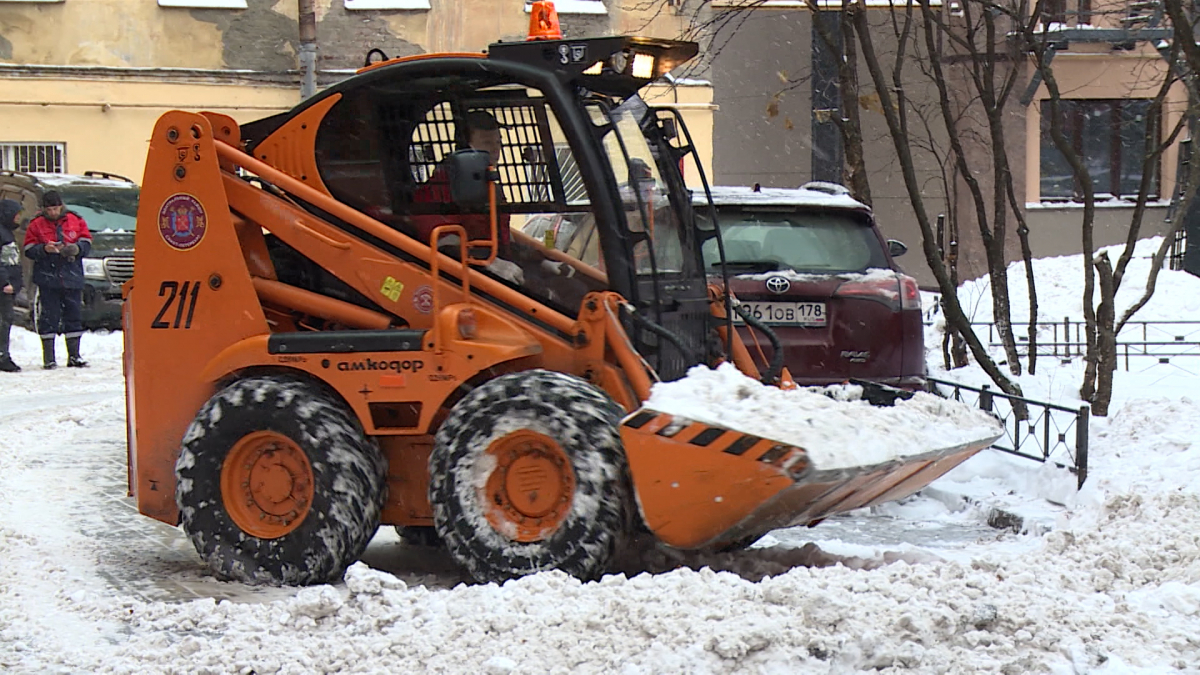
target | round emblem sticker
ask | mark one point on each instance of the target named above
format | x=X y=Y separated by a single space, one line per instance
x=423 y=299
x=182 y=221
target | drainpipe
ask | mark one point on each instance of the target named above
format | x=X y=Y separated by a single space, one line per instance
x=308 y=49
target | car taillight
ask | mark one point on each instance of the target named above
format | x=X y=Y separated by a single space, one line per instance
x=910 y=293
x=897 y=291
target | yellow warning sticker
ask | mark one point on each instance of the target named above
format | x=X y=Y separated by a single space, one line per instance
x=391 y=289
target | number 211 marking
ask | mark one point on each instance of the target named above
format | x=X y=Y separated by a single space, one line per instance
x=179 y=297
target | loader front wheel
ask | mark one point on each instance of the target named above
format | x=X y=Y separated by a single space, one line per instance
x=277 y=484
x=528 y=474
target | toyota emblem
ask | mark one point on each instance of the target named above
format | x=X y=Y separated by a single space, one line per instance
x=778 y=285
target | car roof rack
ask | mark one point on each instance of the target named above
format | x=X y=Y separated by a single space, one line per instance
x=21 y=174
x=826 y=187
x=105 y=174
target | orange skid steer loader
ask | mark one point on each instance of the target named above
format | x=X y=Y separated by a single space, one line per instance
x=337 y=321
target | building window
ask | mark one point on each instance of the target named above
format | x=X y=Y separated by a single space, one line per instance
x=46 y=157
x=1060 y=13
x=387 y=4
x=204 y=4
x=1110 y=137
x=575 y=7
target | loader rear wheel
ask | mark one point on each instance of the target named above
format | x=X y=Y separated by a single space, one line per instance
x=528 y=474
x=277 y=484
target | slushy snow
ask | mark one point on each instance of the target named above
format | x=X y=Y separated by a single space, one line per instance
x=833 y=424
x=1103 y=581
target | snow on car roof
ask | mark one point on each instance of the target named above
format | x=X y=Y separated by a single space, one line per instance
x=56 y=180
x=724 y=195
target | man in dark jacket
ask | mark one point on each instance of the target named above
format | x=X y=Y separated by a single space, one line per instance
x=57 y=240
x=10 y=278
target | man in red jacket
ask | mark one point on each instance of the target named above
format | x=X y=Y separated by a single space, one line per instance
x=57 y=241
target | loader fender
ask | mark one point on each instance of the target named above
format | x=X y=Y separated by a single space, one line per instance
x=383 y=387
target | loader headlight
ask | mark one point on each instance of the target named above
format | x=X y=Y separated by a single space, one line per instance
x=643 y=66
x=93 y=268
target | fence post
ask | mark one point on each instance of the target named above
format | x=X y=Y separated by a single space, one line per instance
x=985 y=398
x=1081 y=444
x=1067 y=333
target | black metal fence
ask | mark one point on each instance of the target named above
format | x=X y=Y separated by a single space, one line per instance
x=1050 y=433
x=1141 y=343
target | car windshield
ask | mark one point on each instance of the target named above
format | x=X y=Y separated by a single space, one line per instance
x=804 y=242
x=104 y=208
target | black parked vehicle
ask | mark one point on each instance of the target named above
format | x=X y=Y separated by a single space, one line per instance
x=108 y=203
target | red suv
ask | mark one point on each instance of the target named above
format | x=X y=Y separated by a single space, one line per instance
x=811 y=264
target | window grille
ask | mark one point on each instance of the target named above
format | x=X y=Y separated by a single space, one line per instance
x=42 y=157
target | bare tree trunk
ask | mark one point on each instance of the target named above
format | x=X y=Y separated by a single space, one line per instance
x=1106 y=338
x=894 y=114
x=993 y=237
x=1108 y=330
x=1030 y=280
x=958 y=346
x=851 y=122
x=1087 y=389
x=1102 y=328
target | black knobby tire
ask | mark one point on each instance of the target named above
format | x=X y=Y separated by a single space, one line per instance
x=348 y=473
x=584 y=422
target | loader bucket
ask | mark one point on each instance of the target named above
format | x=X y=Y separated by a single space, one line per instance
x=701 y=486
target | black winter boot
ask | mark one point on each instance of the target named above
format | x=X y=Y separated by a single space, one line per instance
x=48 y=361
x=73 y=360
x=6 y=362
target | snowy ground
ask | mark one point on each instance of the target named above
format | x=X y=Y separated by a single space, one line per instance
x=1109 y=582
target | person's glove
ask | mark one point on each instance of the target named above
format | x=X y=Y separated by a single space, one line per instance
x=507 y=270
x=557 y=268
x=71 y=251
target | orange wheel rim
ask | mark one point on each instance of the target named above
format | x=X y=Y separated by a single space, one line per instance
x=528 y=493
x=267 y=484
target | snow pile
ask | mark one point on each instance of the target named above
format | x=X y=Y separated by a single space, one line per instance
x=1111 y=585
x=1087 y=602
x=1060 y=282
x=838 y=431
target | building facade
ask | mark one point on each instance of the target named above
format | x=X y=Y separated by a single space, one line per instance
x=773 y=125
x=82 y=82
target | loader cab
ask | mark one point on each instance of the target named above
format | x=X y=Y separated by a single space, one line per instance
x=584 y=168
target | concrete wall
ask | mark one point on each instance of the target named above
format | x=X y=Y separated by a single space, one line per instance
x=106 y=123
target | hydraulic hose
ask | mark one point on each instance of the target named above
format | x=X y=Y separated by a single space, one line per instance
x=664 y=334
x=776 y=365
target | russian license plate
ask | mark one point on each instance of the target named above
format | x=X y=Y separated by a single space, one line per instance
x=786 y=313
